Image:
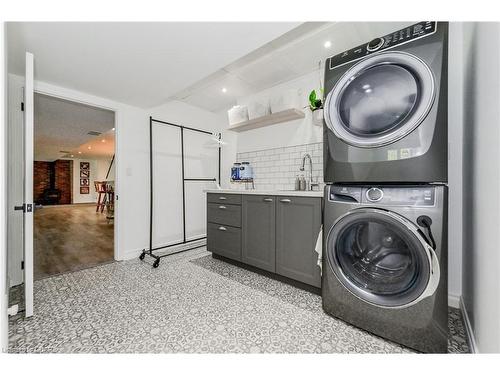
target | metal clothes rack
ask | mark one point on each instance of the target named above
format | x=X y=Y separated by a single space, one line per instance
x=184 y=180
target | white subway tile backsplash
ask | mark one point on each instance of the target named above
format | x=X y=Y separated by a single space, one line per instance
x=276 y=169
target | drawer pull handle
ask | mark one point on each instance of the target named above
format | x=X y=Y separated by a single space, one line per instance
x=222 y=207
x=268 y=199
x=222 y=228
x=285 y=201
x=222 y=198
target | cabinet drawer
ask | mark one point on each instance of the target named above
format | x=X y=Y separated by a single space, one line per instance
x=221 y=213
x=224 y=198
x=224 y=240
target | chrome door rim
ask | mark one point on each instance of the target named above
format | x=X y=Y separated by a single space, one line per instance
x=431 y=257
x=408 y=61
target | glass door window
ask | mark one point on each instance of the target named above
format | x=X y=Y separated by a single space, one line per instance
x=380 y=99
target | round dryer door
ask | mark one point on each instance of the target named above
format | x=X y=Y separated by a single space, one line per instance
x=381 y=258
x=380 y=99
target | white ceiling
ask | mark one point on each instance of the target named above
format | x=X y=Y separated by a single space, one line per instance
x=62 y=125
x=98 y=147
x=292 y=55
x=139 y=63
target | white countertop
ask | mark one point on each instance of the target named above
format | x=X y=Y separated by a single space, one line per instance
x=290 y=193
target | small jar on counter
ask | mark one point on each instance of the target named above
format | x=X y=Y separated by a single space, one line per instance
x=235 y=171
x=302 y=183
x=246 y=171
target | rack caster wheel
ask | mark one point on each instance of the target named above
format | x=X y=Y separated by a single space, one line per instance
x=142 y=256
x=156 y=263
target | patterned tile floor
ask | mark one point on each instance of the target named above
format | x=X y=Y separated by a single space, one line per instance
x=192 y=303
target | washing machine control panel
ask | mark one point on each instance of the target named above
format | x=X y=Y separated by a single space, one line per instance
x=410 y=33
x=384 y=195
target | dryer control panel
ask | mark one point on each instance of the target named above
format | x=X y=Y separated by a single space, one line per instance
x=384 y=195
x=408 y=34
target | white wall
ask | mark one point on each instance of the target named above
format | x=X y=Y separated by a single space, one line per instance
x=292 y=133
x=102 y=166
x=200 y=162
x=98 y=170
x=84 y=198
x=3 y=195
x=456 y=57
x=481 y=189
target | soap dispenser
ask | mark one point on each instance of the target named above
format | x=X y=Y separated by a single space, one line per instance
x=302 y=183
x=297 y=182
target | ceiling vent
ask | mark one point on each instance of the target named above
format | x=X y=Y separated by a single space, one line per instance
x=64 y=152
x=94 y=133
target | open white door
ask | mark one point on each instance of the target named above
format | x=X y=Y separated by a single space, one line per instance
x=28 y=184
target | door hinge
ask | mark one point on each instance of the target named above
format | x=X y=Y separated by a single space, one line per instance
x=22 y=106
x=22 y=264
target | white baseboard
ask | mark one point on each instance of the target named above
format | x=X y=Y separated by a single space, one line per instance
x=130 y=254
x=454 y=301
x=468 y=328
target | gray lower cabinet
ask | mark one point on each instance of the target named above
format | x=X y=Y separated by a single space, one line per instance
x=274 y=233
x=258 y=235
x=224 y=240
x=224 y=225
x=298 y=221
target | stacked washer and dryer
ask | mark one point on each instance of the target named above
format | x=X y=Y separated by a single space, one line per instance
x=385 y=163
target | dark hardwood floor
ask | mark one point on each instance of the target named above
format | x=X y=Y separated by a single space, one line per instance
x=69 y=238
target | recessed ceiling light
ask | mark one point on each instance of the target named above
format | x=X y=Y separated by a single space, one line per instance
x=103 y=140
x=79 y=152
x=72 y=155
x=113 y=129
x=327 y=44
x=224 y=90
x=90 y=147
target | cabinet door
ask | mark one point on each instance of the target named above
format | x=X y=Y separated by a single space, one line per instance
x=258 y=231
x=297 y=229
x=224 y=240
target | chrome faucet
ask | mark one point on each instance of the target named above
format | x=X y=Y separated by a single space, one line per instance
x=311 y=184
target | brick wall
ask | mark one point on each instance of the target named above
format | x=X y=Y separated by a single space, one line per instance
x=41 y=179
x=277 y=168
x=63 y=179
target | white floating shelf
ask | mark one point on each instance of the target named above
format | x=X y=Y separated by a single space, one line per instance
x=275 y=118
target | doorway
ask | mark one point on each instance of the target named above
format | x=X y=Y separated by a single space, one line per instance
x=73 y=186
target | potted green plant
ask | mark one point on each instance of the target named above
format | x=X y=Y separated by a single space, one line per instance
x=316 y=107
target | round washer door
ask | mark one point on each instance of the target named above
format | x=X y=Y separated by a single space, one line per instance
x=380 y=257
x=380 y=99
